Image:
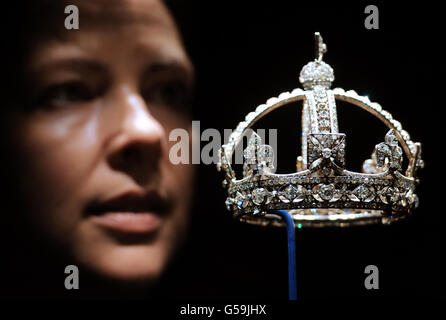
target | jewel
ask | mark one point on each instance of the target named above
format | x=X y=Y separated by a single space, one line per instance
x=416 y=202
x=389 y=195
x=391 y=138
x=250 y=155
x=396 y=160
x=266 y=154
x=396 y=124
x=410 y=197
x=369 y=166
x=258 y=196
x=326 y=171
x=397 y=153
x=363 y=193
x=247 y=169
x=266 y=151
x=383 y=194
x=386 y=115
x=290 y=192
x=271 y=101
x=382 y=152
x=395 y=196
x=250 y=116
x=326 y=191
x=326 y=153
x=319 y=91
x=420 y=163
x=240 y=200
x=257 y=156
x=324 y=123
x=405 y=135
x=228 y=203
x=316 y=73
x=324 y=115
x=300 y=196
x=250 y=151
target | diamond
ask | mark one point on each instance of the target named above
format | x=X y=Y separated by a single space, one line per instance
x=363 y=193
x=301 y=192
x=324 y=123
x=319 y=91
x=326 y=192
x=382 y=152
x=316 y=73
x=324 y=115
x=290 y=192
x=326 y=153
x=249 y=153
x=266 y=154
x=391 y=138
x=258 y=196
x=397 y=153
x=389 y=195
x=293 y=194
x=397 y=157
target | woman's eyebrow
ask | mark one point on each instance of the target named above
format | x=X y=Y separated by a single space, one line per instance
x=81 y=65
x=161 y=57
x=185 y=70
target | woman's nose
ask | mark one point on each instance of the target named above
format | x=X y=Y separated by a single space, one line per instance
x=139 y=144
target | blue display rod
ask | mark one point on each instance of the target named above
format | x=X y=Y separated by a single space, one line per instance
x=291 y=231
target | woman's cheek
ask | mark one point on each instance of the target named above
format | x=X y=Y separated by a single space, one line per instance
x=60 y=152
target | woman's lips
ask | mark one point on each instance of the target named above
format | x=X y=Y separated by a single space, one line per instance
x=130 y=212
x=129 y=222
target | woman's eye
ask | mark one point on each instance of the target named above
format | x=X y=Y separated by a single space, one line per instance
x=172 y=94
x=66 y=93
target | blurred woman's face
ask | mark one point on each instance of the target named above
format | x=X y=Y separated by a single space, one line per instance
x=94 y=149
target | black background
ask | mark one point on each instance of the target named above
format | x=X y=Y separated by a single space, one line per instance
x=246 y=52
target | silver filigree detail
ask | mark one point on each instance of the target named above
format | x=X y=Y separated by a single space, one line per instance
x=326 y=146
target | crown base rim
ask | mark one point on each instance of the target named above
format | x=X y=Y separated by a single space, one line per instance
x=327 y=218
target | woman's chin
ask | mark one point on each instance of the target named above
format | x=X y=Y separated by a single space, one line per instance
x=128 y=264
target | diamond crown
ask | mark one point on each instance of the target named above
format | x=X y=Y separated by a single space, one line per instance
x=322 y=192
